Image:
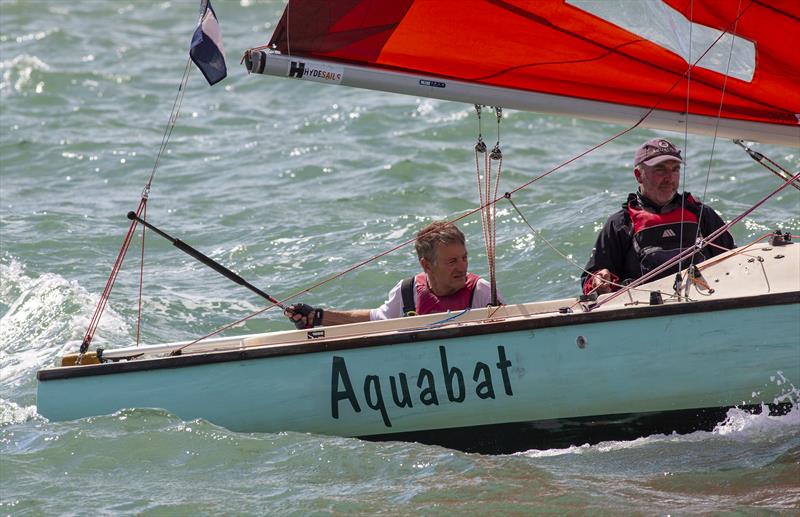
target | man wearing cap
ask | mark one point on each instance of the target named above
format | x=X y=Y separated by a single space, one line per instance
x=655 y=224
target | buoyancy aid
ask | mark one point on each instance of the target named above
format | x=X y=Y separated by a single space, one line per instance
x=659 y=234
x=428 y=303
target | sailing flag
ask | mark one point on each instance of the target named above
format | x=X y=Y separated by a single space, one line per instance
x=206 y=50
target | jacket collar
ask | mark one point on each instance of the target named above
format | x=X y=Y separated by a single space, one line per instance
x=637 y=199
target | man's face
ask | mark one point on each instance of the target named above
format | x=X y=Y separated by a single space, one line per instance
x=659 y=183
x=448 y=273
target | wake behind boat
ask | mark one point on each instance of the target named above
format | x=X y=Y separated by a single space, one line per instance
x=728 y=335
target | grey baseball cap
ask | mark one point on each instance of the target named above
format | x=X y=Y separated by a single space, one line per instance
x=655 y=151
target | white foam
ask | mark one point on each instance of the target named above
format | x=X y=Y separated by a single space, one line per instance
x=738 y=425
x=745 y=426
x=549 y=453
x=11 y=413
x=46 y=317
x=17 y=72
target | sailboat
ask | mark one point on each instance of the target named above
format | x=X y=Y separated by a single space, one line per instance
x=491 y=379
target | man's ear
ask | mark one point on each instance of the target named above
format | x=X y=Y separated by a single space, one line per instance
x=637 y=172
x=424 y=264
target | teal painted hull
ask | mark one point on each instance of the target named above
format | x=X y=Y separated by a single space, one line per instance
x=715 y=358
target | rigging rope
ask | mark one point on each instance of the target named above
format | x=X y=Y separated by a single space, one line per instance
x=686 y=137
x=141 y=211
x=713 y=141
x=487 y=189
x=495 y=155
x=507 y=195
x=141 y=282
x=480 y=150
x=625 y=288
x=567 y=258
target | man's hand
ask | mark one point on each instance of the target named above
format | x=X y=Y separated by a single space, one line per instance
x=601 y=281
x=304 y=316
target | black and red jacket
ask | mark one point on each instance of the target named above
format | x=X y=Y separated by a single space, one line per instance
x=642 y=236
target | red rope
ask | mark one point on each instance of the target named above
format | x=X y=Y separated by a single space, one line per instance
x=112 y=278
x=770 y=166
x=324 y=281
x=142 y=208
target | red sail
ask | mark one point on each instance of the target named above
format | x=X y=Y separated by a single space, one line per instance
x=555 y=47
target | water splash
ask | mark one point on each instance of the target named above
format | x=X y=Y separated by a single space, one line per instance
x=11 y=413
x=739 y=425
x=746 y=426
x=45 y=317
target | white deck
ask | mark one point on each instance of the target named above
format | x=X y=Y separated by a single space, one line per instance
x=760 y=269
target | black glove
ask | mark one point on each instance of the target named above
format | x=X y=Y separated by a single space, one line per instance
x=311 y=316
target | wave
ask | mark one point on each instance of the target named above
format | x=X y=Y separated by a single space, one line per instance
x=45 y=316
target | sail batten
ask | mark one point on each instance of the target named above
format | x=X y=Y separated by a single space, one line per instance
x=553 y=53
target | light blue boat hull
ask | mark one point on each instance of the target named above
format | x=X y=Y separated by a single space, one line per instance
x=574 y=366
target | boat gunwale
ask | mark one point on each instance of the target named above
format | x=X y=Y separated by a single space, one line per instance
x=417 y=335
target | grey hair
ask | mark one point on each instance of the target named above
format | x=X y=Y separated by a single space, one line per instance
x=437 y=232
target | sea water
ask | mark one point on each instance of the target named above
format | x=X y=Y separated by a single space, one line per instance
x=287 y=183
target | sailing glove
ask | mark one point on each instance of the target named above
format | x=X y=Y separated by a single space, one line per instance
x=312 y=316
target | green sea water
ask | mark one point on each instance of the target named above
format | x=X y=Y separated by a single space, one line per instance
x=288 y=183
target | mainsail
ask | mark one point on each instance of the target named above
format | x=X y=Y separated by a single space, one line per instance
x=732 y=71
